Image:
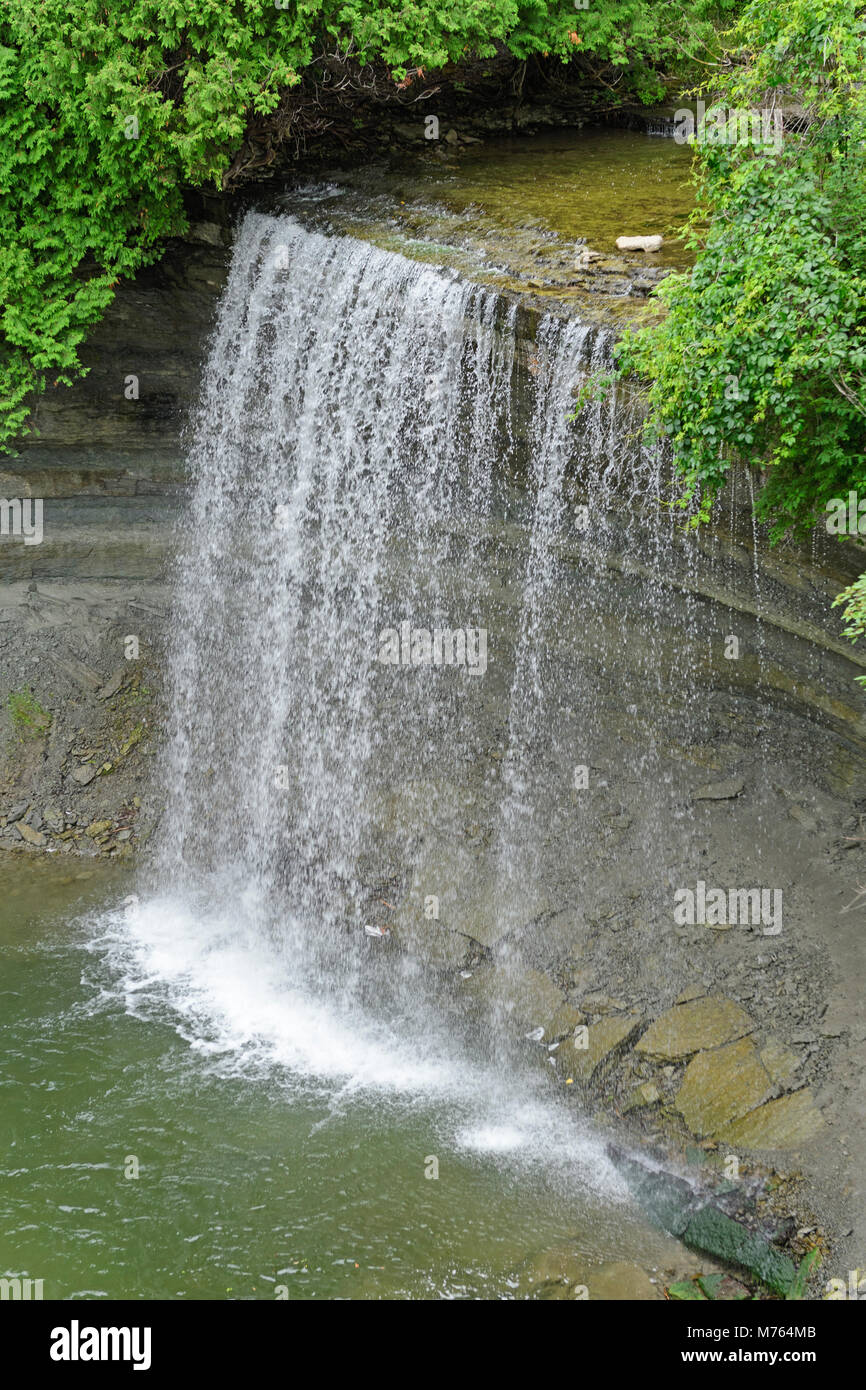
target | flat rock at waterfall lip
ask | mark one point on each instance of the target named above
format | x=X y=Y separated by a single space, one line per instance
x=721 y=1086
x=694 y=1027
x=720 y=791
x=785 y=1123
x=603 y=1039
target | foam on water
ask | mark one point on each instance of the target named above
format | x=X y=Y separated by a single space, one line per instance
x=233 y=999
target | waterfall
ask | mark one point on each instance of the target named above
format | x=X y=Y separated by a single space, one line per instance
x=425 y=641
x=344 y=489
x=353 y=406
x=370 y=724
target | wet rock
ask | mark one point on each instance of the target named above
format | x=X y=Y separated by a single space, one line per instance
x=413 y=133
x=97 y=828
x=525 y=998
x=604 y=1040
x=803 y=818
x=211 y=233
x=779 y=1062
x=720 y=791
x=622 y=1281
x=599 y=1003
x=721 y=1086
x=671 y=1204
x=564 y=1021
x=693 y=992
x=692 y=1027
x=668 y=1201
x=780 y=1124
x=427 y=941
x=647 y=1093
x=27 y=833
x=554 y=1274
x=710 y=1231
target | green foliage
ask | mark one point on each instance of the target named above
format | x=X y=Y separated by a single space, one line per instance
x=645 y=38
x=854 y=599
x=762 y=353
x=109 y=107
x=687 y=1291
x=807 y=1264
x=27 y=715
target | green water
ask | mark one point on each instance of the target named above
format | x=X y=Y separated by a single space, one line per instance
x=514 y=211
x=248 y=1181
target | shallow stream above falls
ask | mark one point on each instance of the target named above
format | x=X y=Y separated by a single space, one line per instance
x=368 y=878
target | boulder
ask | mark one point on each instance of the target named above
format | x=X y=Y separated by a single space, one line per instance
x=716 y=1234
x=517 y=996
x=647 y=1093
x=779 y=1062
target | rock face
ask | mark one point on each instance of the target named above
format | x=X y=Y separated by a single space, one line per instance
x=693 y=1027
x=521 y=998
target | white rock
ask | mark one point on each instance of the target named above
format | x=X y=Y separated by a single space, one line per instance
x=639 y=243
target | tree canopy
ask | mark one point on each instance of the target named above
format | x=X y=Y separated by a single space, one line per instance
x=761 y=356
x=108 y=108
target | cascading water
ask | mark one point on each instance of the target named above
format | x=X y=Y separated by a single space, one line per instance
x=341 y=657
